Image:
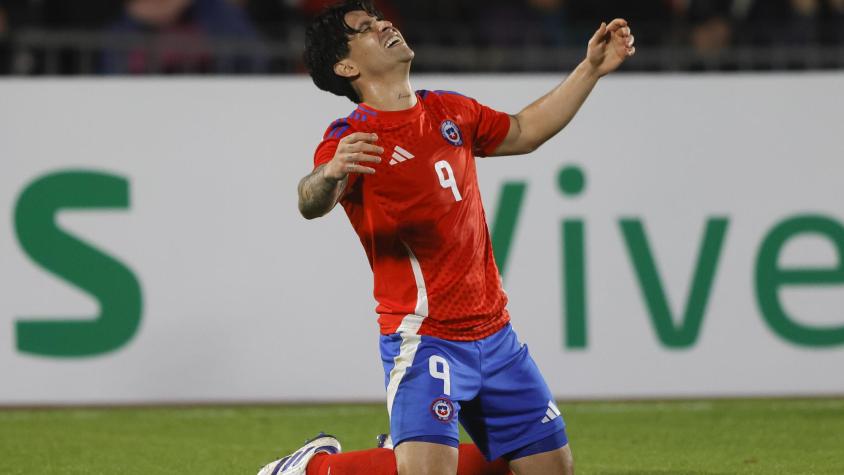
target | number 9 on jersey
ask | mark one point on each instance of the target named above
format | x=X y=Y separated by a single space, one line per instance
x=446 y=176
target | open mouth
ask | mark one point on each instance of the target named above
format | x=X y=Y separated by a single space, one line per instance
x=395 y=40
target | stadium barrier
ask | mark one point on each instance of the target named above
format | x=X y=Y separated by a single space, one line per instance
x=78 y=52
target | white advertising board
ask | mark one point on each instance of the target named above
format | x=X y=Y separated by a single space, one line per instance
x=683 y=237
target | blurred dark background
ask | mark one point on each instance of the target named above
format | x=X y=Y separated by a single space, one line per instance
x=136 y=37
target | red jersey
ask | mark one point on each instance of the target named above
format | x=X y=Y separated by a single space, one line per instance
x=420 y=217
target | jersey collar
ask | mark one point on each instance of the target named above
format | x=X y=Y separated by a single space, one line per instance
x=391 y=117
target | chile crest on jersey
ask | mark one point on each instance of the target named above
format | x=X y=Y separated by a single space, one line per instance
x=451 y=133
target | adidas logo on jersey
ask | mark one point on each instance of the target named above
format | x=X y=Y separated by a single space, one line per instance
x=400 y=155
x=552 y=413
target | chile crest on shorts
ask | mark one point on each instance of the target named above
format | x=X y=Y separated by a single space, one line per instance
x=451 y=133
x=442 y=409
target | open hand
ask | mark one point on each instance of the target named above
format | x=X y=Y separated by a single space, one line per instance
x=352 y=150
x=610 y=46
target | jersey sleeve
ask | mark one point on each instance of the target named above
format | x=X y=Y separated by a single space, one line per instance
x=328 y=146
x=493 y=127
x=490 y=126
x=325 y=152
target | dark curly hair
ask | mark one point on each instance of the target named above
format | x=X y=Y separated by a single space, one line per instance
x=327 y=43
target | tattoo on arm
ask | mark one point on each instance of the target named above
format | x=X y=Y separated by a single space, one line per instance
x=318 y=195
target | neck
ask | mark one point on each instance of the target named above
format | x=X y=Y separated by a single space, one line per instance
x=389 y=93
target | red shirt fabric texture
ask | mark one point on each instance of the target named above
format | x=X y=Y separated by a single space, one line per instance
x=420 y=217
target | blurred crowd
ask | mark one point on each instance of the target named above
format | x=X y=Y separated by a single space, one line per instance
x=257 y=36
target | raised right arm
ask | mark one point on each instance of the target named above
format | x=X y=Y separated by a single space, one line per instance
x=320 y=190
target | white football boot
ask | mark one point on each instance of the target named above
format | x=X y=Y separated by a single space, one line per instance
x=297 y=462
x=384 y=441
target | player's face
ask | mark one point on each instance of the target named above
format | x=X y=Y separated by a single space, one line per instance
x=377 y=46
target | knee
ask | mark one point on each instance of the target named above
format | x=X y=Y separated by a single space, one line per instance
x=420 y=458
x=557 y=462
x=405 y=468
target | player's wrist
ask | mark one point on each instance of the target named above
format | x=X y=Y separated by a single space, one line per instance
x=329 y=177
x=589 y=69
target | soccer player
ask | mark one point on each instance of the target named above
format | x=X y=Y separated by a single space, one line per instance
x=402 y=165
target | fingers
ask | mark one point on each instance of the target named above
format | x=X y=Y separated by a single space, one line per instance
x=599 y=34
x=628 y=41
x=359 y=142
x=622 y=36
x=345 y=163
x=352 y=168
x=362 y=157
x=623 y=32
x=358 y=148
x=361 y=147
x=355 y=149
x=359 y=137
x=617 y=24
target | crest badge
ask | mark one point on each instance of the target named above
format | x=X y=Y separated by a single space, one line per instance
x=451 y=133
x=442 y=409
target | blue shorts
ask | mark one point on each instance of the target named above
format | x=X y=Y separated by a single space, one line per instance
x=492 y=386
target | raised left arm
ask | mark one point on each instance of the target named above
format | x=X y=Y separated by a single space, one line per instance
x=609 y=47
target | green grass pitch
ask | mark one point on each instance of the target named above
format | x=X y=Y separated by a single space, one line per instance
x=683 y=437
